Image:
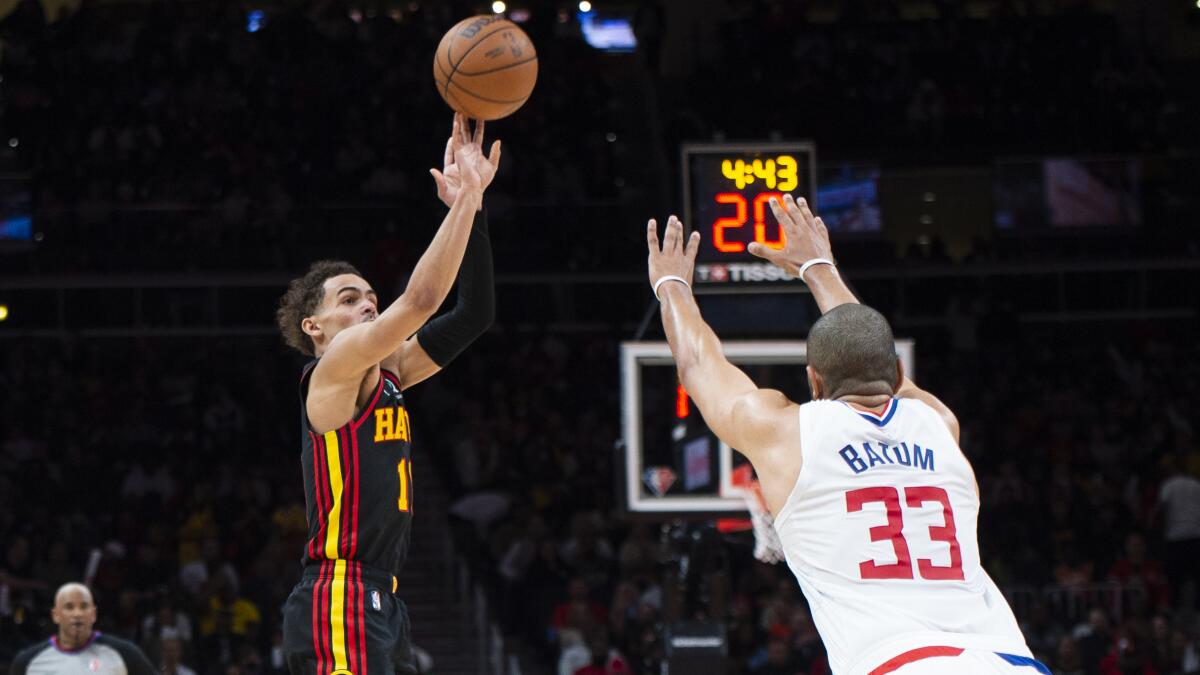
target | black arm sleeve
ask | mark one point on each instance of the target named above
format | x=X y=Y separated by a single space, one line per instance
x=446 y=336
x=136 y=662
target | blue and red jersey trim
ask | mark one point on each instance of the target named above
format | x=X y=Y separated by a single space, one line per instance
x=877 y=418
x=920 y=654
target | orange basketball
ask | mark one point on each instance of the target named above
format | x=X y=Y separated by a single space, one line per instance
x=485 y=67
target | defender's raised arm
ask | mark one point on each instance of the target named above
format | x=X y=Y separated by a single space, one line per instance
x=736 y=410
x=808 y=254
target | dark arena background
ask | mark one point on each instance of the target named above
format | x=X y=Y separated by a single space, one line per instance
x=1015 y=184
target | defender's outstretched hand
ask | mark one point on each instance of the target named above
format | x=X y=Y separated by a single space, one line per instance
x=450 y=180
x=673 y=258
x=805 y=237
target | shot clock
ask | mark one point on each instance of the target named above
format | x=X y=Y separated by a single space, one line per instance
x=726 y=191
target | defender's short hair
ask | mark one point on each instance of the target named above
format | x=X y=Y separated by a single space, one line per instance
x=853 y=349
x=303 y=297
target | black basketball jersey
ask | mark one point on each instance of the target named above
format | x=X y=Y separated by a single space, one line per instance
x=358 y=482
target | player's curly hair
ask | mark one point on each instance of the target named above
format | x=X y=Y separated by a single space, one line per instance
x=303 y=297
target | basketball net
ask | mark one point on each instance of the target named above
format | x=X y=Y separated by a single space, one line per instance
x=767 y=546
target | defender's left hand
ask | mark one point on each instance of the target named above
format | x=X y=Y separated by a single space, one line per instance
x=674 y=257
x=805 y=236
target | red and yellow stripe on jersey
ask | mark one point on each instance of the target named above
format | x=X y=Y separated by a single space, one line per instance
x=336 y=477
x=338 y=635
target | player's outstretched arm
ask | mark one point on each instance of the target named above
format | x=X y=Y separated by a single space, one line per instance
x=442 y=339
x=737 y=411
x=360 y=347
x=807 y=239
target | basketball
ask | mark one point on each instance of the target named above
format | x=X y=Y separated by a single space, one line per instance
x=485 y=67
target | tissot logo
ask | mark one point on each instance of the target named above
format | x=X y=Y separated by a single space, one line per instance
x=717 y=273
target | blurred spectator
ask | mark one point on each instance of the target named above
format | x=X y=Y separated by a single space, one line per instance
x=139 y=482
x=1067 y=659
x=775 y=659
x=585 y=553
x=230 y=623
x=172 y=658
x=804 y=641
x=603 y=658
x=1136 y=569
x=1179 y=497
x=164 y=623
x=224 y=417
x=1182 y=652
x=1094 y=639
x=640 y=555
x=1127 y=657
x=195 y=575
x=578 y=612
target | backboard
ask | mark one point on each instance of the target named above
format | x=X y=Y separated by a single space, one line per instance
x=674 y=465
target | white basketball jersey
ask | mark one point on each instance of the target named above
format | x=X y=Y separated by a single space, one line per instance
x=880 y=531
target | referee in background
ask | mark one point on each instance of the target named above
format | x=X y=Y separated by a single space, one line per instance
x=78 y=647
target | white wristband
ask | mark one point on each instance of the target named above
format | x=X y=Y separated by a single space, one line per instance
x=814 y=261
x=669 y=277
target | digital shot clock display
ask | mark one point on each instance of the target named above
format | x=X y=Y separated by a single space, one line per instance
x=727 y=189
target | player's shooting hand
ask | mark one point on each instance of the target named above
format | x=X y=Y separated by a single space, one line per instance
x=450 y=180
x=673 y=257
x=805 y=236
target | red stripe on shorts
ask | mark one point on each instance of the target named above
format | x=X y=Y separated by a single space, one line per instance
x=325 y=662
x=316 y=619
x=910 y=656
x=352 y=627
x=362 y=619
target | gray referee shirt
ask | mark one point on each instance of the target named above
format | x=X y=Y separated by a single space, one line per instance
x=102 y=655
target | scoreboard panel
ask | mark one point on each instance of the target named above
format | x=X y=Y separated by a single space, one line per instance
x=727 y=189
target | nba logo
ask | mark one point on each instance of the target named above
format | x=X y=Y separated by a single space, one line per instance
x=659 y=479
x=375 y=603
x=94 y=665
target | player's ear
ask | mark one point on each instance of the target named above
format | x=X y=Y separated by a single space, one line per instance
x=310 y=326
x=899 y=375
x=816 y=385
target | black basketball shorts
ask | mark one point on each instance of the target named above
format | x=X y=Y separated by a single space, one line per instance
x=344 y=618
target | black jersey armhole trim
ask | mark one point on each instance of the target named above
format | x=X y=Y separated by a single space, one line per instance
x=366 y=411
x=355 y=422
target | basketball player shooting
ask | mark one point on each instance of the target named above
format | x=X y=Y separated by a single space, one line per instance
x=874 y=503
x=343 y=617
